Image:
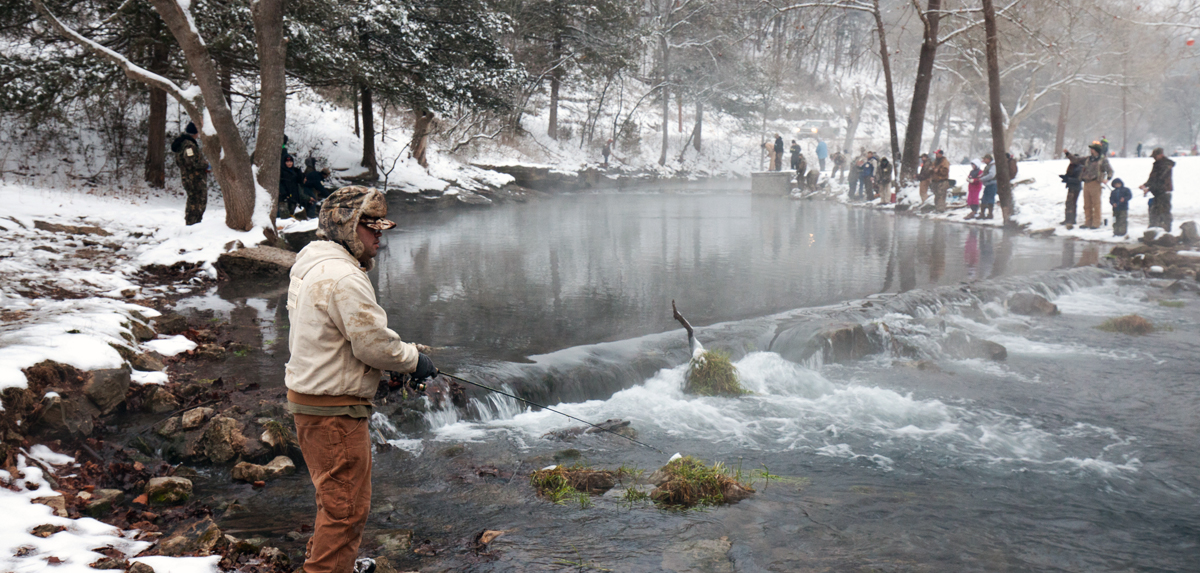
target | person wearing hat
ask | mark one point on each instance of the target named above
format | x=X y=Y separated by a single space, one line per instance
x=923 y=175
x=940 y=180
x=1160 y=185
x=778 y=152
x=193 y=170
x=1074 y=186
x=1095 y=173
x=340 y=343
x=1119 y=199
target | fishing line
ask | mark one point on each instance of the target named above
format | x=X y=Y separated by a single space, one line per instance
x=503 y=393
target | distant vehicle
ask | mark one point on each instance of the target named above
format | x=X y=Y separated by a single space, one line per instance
x=1181 y=152
x=823 y=128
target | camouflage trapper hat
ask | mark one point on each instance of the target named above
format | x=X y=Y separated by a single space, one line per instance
x=345 y=209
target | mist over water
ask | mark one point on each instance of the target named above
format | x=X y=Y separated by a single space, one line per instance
x=1075 y=453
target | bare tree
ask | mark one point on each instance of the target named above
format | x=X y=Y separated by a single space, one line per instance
x=999 y=144
x=207 y=106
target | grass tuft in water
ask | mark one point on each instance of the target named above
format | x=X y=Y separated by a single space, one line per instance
x=280 y=435
x=688 y=482
x=1172 y=303
x=562 y=485
x=1131 y=324
x=713 y=374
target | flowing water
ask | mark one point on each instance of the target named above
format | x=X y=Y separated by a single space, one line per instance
x=1077 y=453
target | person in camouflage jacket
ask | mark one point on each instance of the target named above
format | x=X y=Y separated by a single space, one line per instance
x=1160 y=185
x=193 y=169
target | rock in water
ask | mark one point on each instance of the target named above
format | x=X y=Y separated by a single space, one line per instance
x=257 y=262
x=963 y=345
x=1189 y=233
x=198 y=538
x=1031 y=304
x=843 y=342
x=168 y=490
x=223 y=440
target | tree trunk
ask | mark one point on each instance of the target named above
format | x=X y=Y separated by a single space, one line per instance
x=858 y=102
x=916 y=114
x=999 y=146
x=272 y=104
x=666 y=100
x=555 y=84
x=156 y=139
x=1064 y=110
x=420 y=137
x=354 y=102
x=699 y=124
x=942 y=126
x=975 y=134
x=227 y=84
x=887 y=77
x=368 y=125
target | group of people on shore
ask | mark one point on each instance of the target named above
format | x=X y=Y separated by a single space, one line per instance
x=297 y=189
x=871 y=177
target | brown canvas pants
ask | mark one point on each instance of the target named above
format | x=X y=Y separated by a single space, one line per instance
x=923 y=188
x=1091 y=203
x=337 y=450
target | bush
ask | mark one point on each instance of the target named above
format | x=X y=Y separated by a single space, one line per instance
x=1130 y=324
x=562 y=484
x=713 y=374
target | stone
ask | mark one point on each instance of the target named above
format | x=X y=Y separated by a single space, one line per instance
x=141 y=331
x=198 y=538
x=281 y=466
x=223 y=440
x=170 y=323
x=1188 y=233
x=297 y=240
x=159 y=400
x=170 y=427
x=273 y=556
x=963 y=345
x=146 y=362
x=396 y=542
x=843 y=342
x=107 y=388
x=1167 y=240
x=708 y=555
x=195 y=418
x=139 y=567
x=210 y=351
x=55 y=502
x=257 y=262
x=68 y=417
x=1030 y=304
x=471 y=198
x=248 y=472
x=70 y=229
x=168 y=490
x=103 y=501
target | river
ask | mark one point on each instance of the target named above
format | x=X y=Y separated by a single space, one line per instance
x=1074 y=454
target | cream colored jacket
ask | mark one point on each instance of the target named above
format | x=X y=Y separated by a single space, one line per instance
x=339 y=337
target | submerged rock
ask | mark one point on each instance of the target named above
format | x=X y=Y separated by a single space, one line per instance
x=1030 y=304
x=198 y=538
x=843 y=342
x=963 y=345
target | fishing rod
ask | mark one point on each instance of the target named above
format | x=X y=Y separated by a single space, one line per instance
x=503 y=393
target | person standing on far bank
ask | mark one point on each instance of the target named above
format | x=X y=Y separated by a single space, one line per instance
x=1074 y=186
x=193 y=170
x=606 y=151
x=1096 y=172
x=940 y=180
x=778 y=152
x=822 y=153
x=340 y=342
x=1159 y=184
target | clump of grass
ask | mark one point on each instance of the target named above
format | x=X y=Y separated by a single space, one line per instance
x=1172 y=303
x=1129 y=324
x=713 y=374
x=562 y=484
x=279 y=434
x=688 y=482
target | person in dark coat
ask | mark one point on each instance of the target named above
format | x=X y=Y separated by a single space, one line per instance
x=314 y=181
x=839 y=164
x=1074 y=185
x=1160 y=185
x=883 y=179
x=606 y=151
x=778 y=152
x=1119 y=198
x=866 y=177
x=291 y=194
x=193 y=170
x=795 y=149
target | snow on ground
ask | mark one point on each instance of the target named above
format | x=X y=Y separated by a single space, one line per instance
x=1040 y=198
x=68 y=551
x=70 y=297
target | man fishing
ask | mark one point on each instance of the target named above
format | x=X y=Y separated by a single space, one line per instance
x=340 y=342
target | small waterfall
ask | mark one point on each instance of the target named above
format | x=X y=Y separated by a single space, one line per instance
x=384 y=432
